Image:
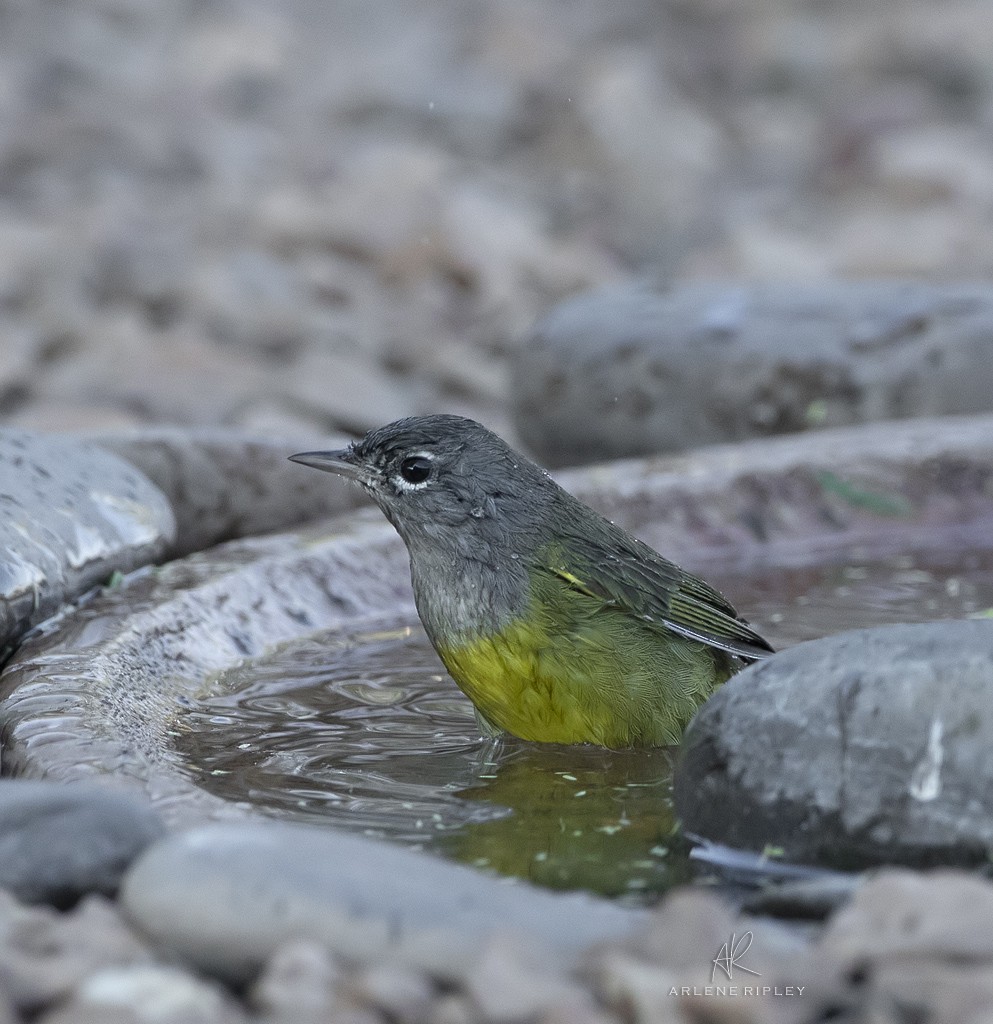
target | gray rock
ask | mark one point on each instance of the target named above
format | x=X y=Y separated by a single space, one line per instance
x=70 y=515
x=454 y=1008
x=689 y=930
x=58 y=842
x=17 y=356
x=351 y=391
x=631 y=370
x=223 y=484
x=508 y=985
x=898 y=914
x=253 y=300
x=44 y=955
x=298 y=984
x=867 y=747
x=681 y=931
x=226 y=897
x=146 y=994
x=919 y=942
x=400 y=993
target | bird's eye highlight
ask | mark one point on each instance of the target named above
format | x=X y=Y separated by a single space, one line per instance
x=416 y=469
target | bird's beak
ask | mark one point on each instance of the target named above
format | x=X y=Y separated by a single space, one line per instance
x=341 y=462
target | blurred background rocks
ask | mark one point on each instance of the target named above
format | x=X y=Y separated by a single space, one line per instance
x=635 y=370
x=300 y=218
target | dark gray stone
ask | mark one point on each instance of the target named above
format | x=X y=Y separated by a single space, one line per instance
x=809 y=899
x=223 y=484
x=631 y=370
x=58 y=843
x=868 y=747
x=70 y=515
x=226 y=897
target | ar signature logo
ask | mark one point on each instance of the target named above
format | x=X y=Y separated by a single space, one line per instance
x=729 y=958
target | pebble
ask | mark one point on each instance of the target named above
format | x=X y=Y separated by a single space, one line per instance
x=635 y=990
x=508 y=985
x=863 y=748
x=659 y=194
x=683 y=930
x=45 y=955
x=58 y=843
x=897 y=914
x=252 y=301
x=453 y=1008
x=197 y=380
x=16 y=361
x=226 y=897
x=915 y=941
x=297 y=985
x=146 y=994
x=71 y=514
x=401 y=994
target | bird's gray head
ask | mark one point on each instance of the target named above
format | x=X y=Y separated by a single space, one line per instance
x=445 y=480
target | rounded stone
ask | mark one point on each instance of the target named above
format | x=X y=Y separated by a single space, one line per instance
x=71 y=514
x=901 y=915
x=58 y=843
x=298 y=984
x=147 y=994
x=867 y=747
x=226 y=897
x=46 y=954
x=632 y=370
x=224 y=484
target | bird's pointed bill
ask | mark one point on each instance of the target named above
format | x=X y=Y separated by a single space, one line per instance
x=342 y=462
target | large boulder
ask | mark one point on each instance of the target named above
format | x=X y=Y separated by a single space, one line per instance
x=867 y=747
x=633 y=370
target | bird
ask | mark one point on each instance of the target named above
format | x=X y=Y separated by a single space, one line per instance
x=559 y=626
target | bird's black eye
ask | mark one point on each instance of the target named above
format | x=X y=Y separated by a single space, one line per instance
x=416 y=469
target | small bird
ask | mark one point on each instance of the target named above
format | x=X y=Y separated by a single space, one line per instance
x=555 y=623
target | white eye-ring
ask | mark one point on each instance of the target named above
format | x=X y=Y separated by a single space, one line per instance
x=415 y=472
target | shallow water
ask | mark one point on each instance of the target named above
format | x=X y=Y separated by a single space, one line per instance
x=367 y=732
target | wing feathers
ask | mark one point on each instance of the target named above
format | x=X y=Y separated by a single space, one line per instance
x=630 y=577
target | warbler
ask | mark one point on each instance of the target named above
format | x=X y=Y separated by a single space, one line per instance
x=557 y=625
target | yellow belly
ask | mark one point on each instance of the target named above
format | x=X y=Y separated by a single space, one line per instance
x=613 y=691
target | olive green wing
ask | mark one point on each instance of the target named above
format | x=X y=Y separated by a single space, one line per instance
x=629 y=576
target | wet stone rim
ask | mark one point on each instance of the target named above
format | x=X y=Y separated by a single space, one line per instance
x=95 y=693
